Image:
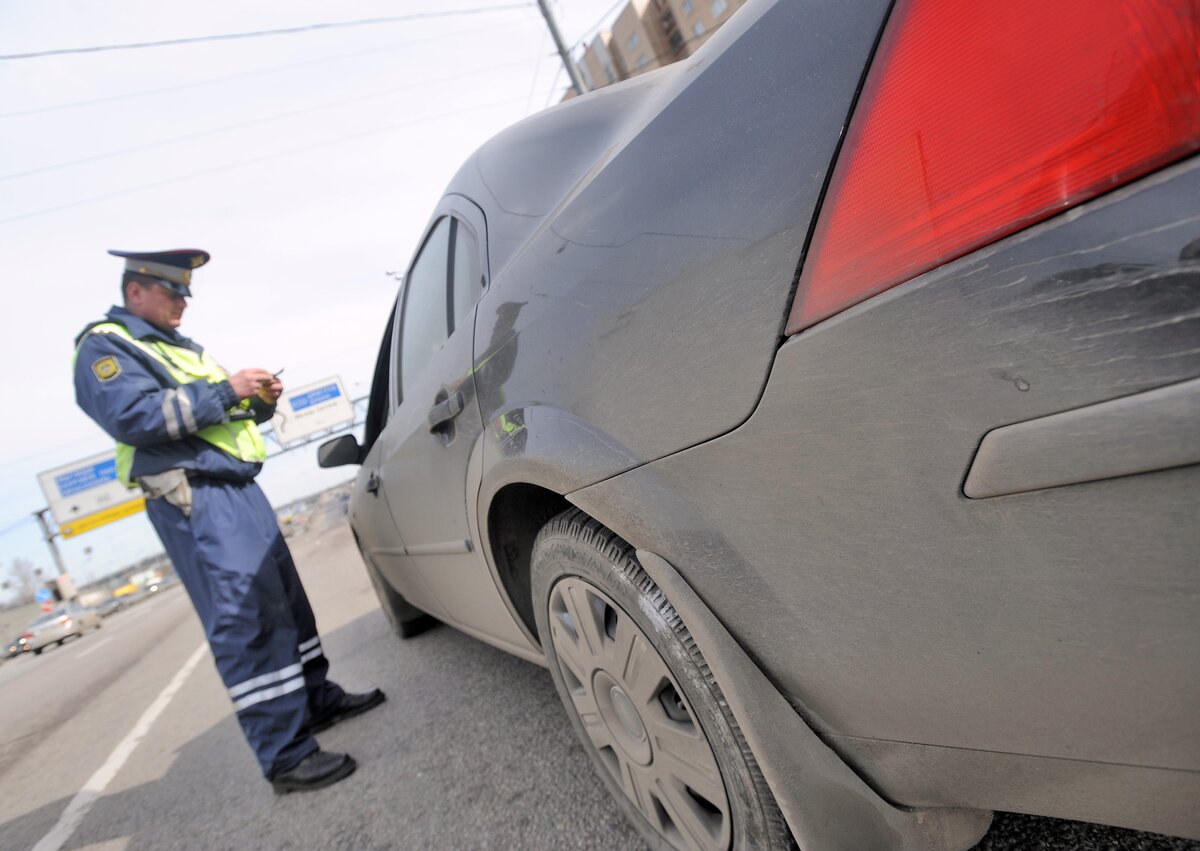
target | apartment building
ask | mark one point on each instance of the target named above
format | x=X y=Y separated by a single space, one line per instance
x=638 y=39
x=649 y=34
x=599 y=65
x=697 y=20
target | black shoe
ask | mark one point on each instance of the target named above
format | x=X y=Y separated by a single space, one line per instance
x=349 y=706
x=316 y=771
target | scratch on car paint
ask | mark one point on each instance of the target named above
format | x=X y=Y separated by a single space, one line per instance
x=1149 y=326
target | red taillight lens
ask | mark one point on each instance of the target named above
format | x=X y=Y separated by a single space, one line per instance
x=65 y=620
x=979 y=119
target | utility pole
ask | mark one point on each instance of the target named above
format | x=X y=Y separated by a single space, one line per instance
x=568 y=62
x=49 y=536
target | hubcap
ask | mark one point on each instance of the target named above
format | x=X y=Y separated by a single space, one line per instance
x=621 y=718
x=636 y=718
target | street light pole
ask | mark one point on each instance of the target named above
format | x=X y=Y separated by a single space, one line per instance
x=49 y=536
x=568 y=62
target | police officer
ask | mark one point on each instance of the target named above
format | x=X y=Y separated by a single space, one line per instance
x=187 y=434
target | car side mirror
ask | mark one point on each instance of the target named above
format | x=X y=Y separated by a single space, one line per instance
x=339 y=452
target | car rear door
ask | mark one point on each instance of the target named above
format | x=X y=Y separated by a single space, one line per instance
x=435 y=419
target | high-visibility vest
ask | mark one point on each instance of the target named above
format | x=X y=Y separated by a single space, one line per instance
x=239 y=438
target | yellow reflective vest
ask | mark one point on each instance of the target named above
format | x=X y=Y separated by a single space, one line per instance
x=239 y=438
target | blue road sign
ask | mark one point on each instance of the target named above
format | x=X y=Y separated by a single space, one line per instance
x=43 y=595
x=315 y=397
x=86 y=478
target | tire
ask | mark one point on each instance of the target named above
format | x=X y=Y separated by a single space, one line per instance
x=638 y=691
x=405 y=619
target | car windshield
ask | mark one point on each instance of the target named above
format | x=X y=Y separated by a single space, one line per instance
x=49 y=616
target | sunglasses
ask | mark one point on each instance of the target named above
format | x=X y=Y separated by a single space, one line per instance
x=166 y=288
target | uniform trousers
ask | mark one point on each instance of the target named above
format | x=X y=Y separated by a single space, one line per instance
x=239 y=573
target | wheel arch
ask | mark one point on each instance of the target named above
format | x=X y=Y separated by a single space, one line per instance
x=517 y=512
x=528 y=459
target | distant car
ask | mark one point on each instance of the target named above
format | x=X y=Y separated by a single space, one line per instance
x=821 y=411
x=125 y=591
x=162 y=584
x=17 y=646
x=58 y=625
x=108 y=607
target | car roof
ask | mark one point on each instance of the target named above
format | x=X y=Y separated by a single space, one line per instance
x=51 y=615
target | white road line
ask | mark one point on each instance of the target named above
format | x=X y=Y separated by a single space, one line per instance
x=99 y=643
x=90 y=793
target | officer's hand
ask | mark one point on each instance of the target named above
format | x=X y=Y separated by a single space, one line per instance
x=248 y=382
x=270 y=391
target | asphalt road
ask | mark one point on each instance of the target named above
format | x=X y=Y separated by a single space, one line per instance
x=125 y=739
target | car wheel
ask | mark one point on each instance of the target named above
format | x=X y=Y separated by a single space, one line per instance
x=642 y=699
x=37 y=651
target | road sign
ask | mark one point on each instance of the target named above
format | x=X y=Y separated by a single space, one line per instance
x=312 y=408
x=84 y=487
x=86 y=494
x=102 y=518
x=43 y=595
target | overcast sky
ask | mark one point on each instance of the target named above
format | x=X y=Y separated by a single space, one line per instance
x=307 y=165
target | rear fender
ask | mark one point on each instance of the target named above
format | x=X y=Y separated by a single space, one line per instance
x=826 y=804
x=541 y=446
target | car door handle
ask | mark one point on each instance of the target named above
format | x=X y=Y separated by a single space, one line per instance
x=444 y=411
x=373 y=483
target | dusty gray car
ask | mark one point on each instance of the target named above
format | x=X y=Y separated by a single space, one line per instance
x=822 y=411
x=57 y=625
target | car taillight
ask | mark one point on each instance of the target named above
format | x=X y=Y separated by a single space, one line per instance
x=65 y=620
x=979 y=119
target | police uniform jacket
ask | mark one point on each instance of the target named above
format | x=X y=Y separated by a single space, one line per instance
x=127 y=400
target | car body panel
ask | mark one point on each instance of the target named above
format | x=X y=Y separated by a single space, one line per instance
x=626 y=252
x=419 y=537
x=1059 y=622
x=1155 y=799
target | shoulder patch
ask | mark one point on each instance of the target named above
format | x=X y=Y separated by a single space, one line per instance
x=107 y=368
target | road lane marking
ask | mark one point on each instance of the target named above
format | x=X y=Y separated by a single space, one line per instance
x=96 y=784
x=99 y=643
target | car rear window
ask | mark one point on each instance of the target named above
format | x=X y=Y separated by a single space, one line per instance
x=50 y=616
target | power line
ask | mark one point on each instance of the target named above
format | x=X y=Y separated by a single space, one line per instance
x=537 y=69
x=16 y=524
x=325 y=25
x=253 y=160
x=553 y=87
x=266 y=119
x=599 y=23
x=271 y=69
